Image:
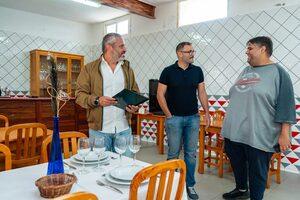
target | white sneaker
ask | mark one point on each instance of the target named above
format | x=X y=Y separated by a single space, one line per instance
x=192 y=194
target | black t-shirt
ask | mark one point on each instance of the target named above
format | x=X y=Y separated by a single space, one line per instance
x=182 y=86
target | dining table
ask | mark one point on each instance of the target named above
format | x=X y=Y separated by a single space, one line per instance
x=20 y=183
x=214 y=127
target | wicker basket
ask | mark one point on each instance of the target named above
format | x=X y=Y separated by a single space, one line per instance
x=55 y=185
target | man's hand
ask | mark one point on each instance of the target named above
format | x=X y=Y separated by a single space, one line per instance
x=132 y=108
x=106 y=101
x=207 y=120
x=169 y=116
x=284 y=142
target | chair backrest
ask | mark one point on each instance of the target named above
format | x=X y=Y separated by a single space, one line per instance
x=201 y=114
x=68 y=139
x=219 y=115
x=5 y=119
x=7 y=154
x=164 y=172
x=24 y=137
x=78 y=196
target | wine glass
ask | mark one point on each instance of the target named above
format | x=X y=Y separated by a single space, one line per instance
x=99 y=149
x=120 y=145
x=134 y=146
x=83 y=151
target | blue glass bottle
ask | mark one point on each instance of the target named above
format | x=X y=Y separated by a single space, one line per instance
x=55 y=165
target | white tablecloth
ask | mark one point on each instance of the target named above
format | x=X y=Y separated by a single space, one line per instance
x=20 y=183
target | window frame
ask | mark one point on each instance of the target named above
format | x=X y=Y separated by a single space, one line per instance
x=179 y=16
x=116 y=22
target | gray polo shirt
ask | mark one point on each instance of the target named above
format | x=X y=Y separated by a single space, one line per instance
x=260 y=100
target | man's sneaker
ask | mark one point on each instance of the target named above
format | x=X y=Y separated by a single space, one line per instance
x=192 y=193
x=236 y=194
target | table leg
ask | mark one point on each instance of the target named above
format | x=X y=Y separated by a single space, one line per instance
x=138 y=124
x=160 y=135
x=201 y=150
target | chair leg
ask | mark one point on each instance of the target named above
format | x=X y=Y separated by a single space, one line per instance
x=209 y=152
x=220 y=164
x=278 y=177
x=268 y=180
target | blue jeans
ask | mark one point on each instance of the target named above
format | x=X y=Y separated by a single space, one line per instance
x=184 y=130
x=249 y=162
x=109 y=139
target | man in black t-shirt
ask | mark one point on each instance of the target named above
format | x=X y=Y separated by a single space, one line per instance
x=182 y=81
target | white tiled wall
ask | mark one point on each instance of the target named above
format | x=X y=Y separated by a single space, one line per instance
x=15 y=56
x=220 y=46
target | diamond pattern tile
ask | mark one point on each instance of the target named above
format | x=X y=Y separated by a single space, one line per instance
x=15 y=57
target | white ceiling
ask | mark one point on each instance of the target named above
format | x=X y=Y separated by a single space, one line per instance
x=69 y=10
x=65 y=9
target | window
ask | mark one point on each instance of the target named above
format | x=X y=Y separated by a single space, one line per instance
x=119 y=27
x=111 y=28
x=195 y=11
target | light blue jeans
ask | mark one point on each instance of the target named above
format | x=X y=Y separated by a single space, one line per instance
x=109 y=139
x=184 y=130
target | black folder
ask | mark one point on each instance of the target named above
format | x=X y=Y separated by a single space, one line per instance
x=127 y=97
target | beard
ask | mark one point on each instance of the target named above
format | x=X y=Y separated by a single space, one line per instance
x=122 y=57
x=190 y=60
x=119 y=56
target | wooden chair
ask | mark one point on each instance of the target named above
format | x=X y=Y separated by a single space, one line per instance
x=5 y=119
x=214 y=143
x=164 y=172
x=201 y=114
x=276 y=158
x=7 y=154
x=219 y=115
x=68 y=139
x=25 y=152
x=78 y=196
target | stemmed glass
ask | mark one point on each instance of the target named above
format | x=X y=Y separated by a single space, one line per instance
x=83 y=151
x=134 y=146
x=99 y=149
x=120 y=146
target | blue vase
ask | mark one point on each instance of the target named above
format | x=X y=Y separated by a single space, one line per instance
x=55 y=165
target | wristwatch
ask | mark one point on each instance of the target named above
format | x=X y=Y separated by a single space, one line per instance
x=96 y=102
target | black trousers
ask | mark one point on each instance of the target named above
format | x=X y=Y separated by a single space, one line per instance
x=249 y=163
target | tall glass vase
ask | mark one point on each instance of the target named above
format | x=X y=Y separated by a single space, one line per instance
x=55 y=165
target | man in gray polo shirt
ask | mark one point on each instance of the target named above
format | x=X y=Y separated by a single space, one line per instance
x=259 y=117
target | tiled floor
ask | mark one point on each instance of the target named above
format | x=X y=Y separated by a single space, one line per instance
x=210 y=187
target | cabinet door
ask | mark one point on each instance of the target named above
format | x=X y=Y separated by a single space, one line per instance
x=75 y=70
x=62 y=73
x=43 y=75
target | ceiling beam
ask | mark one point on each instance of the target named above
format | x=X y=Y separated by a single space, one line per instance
x=133 y=6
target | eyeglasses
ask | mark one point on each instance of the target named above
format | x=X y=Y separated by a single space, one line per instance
x=191 y=52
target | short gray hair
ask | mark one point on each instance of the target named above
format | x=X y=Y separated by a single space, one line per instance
x=181 y=45
x=109 y=38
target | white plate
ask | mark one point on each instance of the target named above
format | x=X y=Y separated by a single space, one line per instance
x=110 y=179
x=91 y=157
x=116 y=181
x=106 y=160
x=125 y=173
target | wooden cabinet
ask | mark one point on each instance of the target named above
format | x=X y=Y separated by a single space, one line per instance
x=27 y=110
x=68 y=69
